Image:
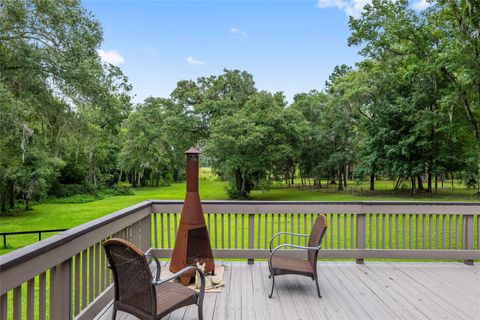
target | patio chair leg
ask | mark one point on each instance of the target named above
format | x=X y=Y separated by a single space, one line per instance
x=318 y=288
x=273 y=286
x=200 y=311
x=114 y=313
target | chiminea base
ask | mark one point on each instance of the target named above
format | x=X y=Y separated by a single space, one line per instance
x=189 y=277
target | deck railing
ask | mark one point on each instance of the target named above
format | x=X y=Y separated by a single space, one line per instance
x=66 y=275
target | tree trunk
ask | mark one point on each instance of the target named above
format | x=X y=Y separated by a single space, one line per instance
x=420 y=183
x=436 y=182
x=11 y=194
x=340 y=184
x=238 y=180
x=372 y=182
x=243 y=192
x=292 y=177
x=429 y=182
x=412 y=178
x=345 y=177
x=3 y=200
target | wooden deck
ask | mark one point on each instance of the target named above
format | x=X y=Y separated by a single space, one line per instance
x=376 y=290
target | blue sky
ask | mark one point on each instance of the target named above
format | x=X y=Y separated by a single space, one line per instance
x=289 y=46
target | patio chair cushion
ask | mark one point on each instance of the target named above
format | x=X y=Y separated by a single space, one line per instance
x=171 y=296
x=285 y=265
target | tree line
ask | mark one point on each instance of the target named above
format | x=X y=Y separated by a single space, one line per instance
x=408 y=111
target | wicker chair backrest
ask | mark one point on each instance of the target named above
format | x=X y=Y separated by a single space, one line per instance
x=316 y=236
x=132 y=277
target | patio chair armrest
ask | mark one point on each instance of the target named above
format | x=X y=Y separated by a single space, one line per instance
x=148 y=254
x=181 y=272
x=288 y=233
x=288 y=245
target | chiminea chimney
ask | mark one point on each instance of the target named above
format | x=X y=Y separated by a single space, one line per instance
x=193 y=243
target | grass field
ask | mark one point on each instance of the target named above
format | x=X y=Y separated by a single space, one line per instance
x=55 y=215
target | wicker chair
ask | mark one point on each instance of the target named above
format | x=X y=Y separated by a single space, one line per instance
x=137 y=293
x=279 y=265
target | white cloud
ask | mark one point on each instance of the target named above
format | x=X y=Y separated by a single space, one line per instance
x=350 y=7
x=421 y=5
x=234 y=30
x=150 y=51
x=192 y=60
x=111 y=56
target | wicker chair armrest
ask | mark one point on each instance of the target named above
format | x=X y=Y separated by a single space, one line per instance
x=150 y=255
x=288 y=233
x=179 y=273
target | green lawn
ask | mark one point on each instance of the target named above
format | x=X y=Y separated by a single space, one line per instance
x=51 y=215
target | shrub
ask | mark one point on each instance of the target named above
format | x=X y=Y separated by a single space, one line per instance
x=122 y=189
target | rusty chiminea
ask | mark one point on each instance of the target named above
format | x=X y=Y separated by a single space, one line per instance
x=193 y=243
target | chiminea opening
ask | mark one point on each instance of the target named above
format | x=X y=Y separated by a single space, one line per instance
x=192 y=244
x=198 y=247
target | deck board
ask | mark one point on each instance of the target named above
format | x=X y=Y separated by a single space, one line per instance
x=376 y=290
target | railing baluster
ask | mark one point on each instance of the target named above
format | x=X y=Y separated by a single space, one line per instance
x=215 y=241
x=338 y=231
x=292 y=227
x=97 y=268
x=352 y=236
x=424 y=231
x=42 y=296
x=416 y=231
x=450 y=224
x=430 y=231
x=410 y=240
x=259 y=230
x=175 y=226
x=377 y=230
x=243 y=231
x=84 y=278
x=457 y=232
x=155 y=230
x=169 y=241
x=266 y=231
x=397 y=230
x=331 y=230
x=229 y=230
x=223 y=230
x=384 y=229
x=390 y=220
x=30 y=298
x=370 y=234
x=236 y=231
x=404 y=225
x=76 y=283
x=3 y=306
x=162 y=227
x=444 y=234
x=17 y=303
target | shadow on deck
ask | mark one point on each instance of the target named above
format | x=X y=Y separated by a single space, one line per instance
x=375 y=290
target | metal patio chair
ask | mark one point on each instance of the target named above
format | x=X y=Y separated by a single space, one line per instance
x=137 y=293
x=280 y=265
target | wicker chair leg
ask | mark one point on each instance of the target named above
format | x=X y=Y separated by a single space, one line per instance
x=273 y=286
x=114 y=312
x=318 y=287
